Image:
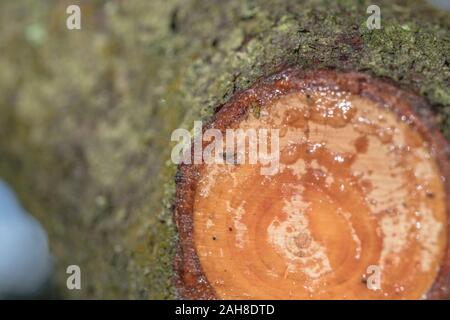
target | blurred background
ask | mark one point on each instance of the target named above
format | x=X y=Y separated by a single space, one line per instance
x=80 y=111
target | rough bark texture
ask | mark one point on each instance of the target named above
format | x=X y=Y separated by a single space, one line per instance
x=86 y=116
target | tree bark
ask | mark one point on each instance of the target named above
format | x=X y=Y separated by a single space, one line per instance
x=86 y=115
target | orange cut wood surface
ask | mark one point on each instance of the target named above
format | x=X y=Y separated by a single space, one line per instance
x=356 y=186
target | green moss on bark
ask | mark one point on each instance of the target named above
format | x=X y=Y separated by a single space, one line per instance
x=86 y=116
